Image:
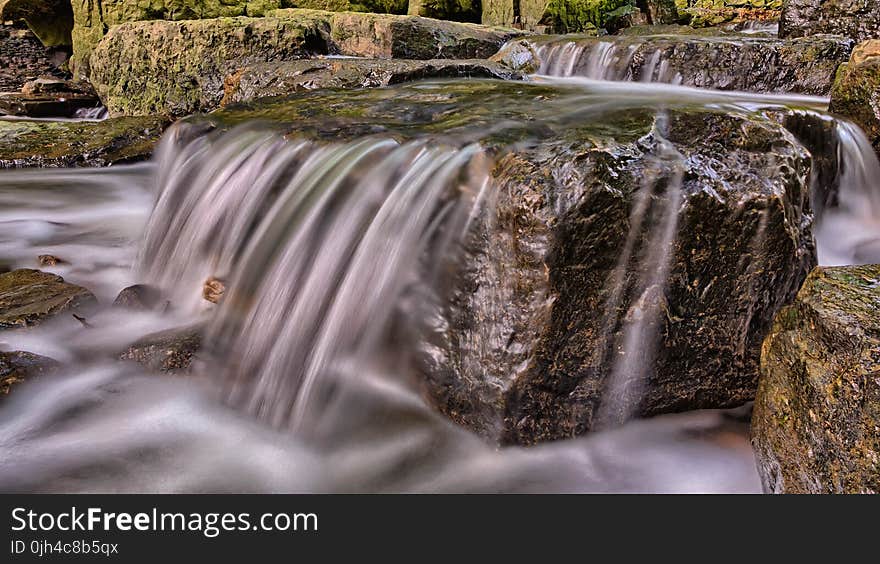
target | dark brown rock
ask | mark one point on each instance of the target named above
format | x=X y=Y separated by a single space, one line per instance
x=170 y=351
x=141 y=297
x=856 y=19
x=28 y=297
x=18 y=366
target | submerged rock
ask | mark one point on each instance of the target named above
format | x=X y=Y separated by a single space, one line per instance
x=28 y=297
x=557 y=274
x=723 y=61
x=816 y=423
x=179 y=67
x=856 y=93
x=61 y=144
x=19 y=366
x=141 y=297
x=279 y=79
x=169 y=351
x=856 y=19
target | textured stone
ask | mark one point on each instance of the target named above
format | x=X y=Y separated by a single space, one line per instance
x=50 y=20
x=18 y=366
x=171 y=351
x=28 y=297
x=816 y=423
x=856 y=19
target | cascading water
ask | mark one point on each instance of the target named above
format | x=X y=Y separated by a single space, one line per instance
x=335 y=257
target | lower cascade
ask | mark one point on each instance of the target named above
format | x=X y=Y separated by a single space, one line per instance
x=325 y=260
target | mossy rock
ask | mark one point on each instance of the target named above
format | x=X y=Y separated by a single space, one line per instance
x=534 y=280
x=26 y=143
x=179 y=68
x=455 y=10
x=561 y=16
x=816 y=422
x=856 y=92
x=29 y=297
x=708 y=13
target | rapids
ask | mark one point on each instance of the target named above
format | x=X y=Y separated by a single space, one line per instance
x=336 y=257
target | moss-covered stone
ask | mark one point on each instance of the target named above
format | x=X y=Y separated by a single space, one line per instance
x=28 y=297
x=93 y=18
x=856 y=19
x=179 y=67
x=561 y=16
x=280 y=79
x=816 y=423
x=50 y=20
x=526 y=356
x=60 y=144
x=703 y=13
x=856 y=92
x=18 y=366
x=455 y=10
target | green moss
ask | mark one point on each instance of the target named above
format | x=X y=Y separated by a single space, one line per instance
x=569 y=16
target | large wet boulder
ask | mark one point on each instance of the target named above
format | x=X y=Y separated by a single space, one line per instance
x=555 y=293
x=25 y=143
x=724 y=62
x=280 y=79
x=19 y=366
x=856 y=93
x=816 y=423
x=29 y=297
x=50 y=20
x=856 y=19
x=179 y=67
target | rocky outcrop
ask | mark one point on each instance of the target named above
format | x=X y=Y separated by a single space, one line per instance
x=856 y=93
x=28 y=297
x=62 y=144
x=50 y=20
x=816 y=423
x=19 y=366
x=555 y=292
x=279 y=79
x=93 y=18
x=700 y=13
x=725 y=62
x=454 y=10
x=180 y=67
x=563 y=16
x=856 y=19
x=171 y=351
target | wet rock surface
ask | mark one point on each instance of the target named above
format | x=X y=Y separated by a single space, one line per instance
x=279 y=79
x=856 y=19
x=28 y=297
x=702 y=13
x=179 y=67
x=26 y=143
x=139 y=297
x=529 y=350
x=816 y=423
x=17 y=367
x=171 y=351
x=723 y=61
x=856 y=93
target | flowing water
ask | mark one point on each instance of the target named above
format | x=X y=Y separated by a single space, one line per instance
x=337 y=258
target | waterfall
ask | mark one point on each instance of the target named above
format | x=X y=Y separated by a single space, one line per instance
x=321 y=246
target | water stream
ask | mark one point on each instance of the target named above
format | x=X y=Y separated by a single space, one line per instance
x=336 y=257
